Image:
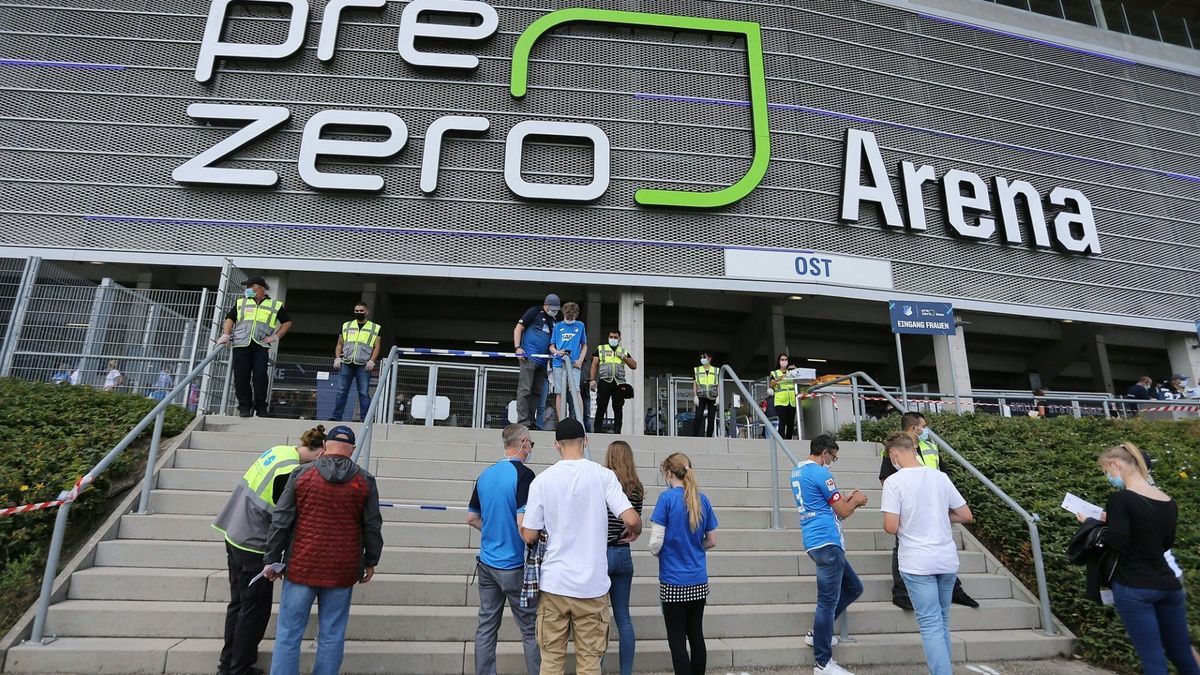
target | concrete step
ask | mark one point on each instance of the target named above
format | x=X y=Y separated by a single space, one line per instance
x=169 y=527
x=200 y=585
x=93 y=618
x=458 y=491
x=211 y=555
x=199 y=655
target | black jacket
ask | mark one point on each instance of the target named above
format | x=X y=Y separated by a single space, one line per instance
x=1087 y=548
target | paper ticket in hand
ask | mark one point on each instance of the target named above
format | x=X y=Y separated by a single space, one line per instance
x=275 y=568
x=1076 y=505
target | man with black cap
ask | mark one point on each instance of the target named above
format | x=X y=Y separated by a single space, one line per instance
x=571 y=501
x=327 y=532
x=255 y=323
x=531 y=336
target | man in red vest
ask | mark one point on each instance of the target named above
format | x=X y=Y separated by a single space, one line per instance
x=328 y=533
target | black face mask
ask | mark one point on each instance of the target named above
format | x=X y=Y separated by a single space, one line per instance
x=360 y=317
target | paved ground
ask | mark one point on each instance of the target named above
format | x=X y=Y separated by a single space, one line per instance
x=1060 y=667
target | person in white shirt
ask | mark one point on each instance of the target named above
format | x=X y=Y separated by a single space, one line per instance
x=571 y=501
x=114 y=378
x=919 y=504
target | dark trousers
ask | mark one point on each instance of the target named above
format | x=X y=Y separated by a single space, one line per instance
x=531 y=384
x=607 y=391
x=250 y=366
x=698 y=423
x=685 y=627
x=248 y=612
x=899 y=590
x=787 y=420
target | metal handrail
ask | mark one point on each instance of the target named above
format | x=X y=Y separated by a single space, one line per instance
x=776 y=440
x=1031 y=520
x=60 y=522
x=369 y=418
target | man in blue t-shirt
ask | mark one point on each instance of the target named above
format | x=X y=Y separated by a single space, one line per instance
x=822 y=508
x=497 y=510
x=569 y=340
x=531 y=337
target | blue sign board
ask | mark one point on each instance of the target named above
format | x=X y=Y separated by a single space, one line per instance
x=922 y=318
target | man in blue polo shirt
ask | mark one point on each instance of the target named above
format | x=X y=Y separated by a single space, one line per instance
x=497 y=510
x=822 y=508
x=531 y=336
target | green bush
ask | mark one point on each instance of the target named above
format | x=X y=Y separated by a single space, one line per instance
x=1037 y=461
x=50 y=436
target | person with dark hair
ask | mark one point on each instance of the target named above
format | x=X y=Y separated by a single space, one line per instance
x=682 y=532
x=916 y=426
x=328 y=533
x=255 y=323
x=608 y=379
x=822 y=510
x=704 y=391
x=245 y=521
x=785 y=398
x=497 y=509
x=531 y=336
x=354 y=358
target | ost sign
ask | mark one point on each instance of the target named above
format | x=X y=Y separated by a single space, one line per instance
x=967 y=198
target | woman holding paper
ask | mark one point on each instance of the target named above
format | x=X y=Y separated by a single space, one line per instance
x=1141 y=520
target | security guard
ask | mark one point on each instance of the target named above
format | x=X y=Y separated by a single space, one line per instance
x=245 y=520
x=608 y=379
x=914 y=424
x=704 y=389
x=785 y=399
x=356 y=353
x=252 y=326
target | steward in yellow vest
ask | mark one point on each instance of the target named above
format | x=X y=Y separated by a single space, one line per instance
x=356 y=354
x=245 y=520
x=608 y=379
x=704 y=388
x=785 y=398
x=251 y=327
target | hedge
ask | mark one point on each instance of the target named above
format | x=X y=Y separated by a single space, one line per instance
x=1037 y=461
x=50 y=436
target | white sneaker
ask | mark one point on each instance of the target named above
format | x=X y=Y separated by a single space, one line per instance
x=831 y=668
x=808 y=639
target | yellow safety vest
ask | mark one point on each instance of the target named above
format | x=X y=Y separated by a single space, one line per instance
x=255 y=321
x=245 y=520
x=928 y=454
x=358 y=342
x=706 y=381
x=785 y=390
x=612 y=363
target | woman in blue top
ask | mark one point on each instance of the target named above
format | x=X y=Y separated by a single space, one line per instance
x=682 y=531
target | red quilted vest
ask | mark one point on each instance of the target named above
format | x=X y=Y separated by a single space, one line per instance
x=327 y=545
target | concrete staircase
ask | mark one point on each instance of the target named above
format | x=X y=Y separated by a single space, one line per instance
x=154 y=599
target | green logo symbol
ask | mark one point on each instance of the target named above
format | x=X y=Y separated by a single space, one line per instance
x=760 y=127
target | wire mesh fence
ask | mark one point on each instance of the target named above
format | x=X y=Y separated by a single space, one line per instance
x=11 y=271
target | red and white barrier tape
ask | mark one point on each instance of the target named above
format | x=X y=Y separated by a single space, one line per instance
x=80 y=485
x=1182 y=407
x=817 y=395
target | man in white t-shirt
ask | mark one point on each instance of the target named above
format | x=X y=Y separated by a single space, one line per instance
x=114 y=378
x=919 y=505
x=571 y=501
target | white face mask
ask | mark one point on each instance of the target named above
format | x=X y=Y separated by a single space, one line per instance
x=613 y=342
x=703 y=362
x=568 y=321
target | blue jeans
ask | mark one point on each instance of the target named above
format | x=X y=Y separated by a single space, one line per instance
x=930 y=595
x=620 y=572
x=358 y=376
x=837 y=587
x=333 y=610
x=1157 y=624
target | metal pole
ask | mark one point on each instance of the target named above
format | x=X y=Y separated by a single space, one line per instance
x=56 y=544
x=394 y=390
x=228 y=383
x=480 y=397
x=1098 y=13
x=199 y=324
x=720 y=403
x=1039 y=568
x=1062 y=9
x=151 y=459
x=854 y=406
x=900 y=363
x=1125 y=15
x=953 y=375
x=775 y=484
x=1188 y=33
x=1157 y=28
x=8 y=349
x=672 y=406
x=431 y=394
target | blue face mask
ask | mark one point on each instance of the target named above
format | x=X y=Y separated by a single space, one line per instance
x=249 y=292
x=1116 y=481
x=924 y=435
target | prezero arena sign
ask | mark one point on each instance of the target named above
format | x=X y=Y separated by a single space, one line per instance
x=966 y=196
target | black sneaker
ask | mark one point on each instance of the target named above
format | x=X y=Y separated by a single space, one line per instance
x=903 y=602
x=961 y=598
x=245 y=413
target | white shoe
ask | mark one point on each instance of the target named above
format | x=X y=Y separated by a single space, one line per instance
x=808 y=639
x=831 y=668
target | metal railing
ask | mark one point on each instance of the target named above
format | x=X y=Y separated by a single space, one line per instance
x=374 y=414
x=60 y=521
x=1031 y=520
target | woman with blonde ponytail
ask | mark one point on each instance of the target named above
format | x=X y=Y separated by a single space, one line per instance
x=1140 y=522
x=683 y=529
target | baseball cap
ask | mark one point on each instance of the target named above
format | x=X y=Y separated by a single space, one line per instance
x=1179 y=376
x=552 y=302
x=568 y=429
x=256 y=280
x=341 y=433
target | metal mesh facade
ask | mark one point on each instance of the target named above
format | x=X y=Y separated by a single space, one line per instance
x=90 y=149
